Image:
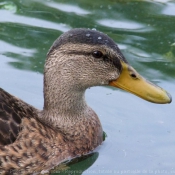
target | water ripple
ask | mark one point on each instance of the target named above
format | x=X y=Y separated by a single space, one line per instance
x=67 y=8
x=5 y=47
x=169 y=9
x=14 y=18
x=124 y=24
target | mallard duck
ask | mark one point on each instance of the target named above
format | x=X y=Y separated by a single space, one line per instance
x=34 y=141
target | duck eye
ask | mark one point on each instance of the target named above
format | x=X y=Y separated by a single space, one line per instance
x=97 y=54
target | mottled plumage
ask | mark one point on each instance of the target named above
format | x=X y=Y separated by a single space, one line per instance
x=34 y=141
x=12 y=111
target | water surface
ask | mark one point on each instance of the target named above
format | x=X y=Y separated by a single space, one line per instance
x=140 y=135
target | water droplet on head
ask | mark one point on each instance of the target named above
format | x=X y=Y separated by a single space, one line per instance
x=99 y=37
x=88 y=34
x=94 y=29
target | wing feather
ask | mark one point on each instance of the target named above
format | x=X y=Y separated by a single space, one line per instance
x=12 y=111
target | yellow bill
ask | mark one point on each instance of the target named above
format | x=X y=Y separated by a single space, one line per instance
x=131 y=81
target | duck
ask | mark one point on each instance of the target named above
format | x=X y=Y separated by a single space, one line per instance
x=34 y=141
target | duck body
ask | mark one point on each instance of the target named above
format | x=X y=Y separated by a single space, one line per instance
x=38 y=147
x=34 y=141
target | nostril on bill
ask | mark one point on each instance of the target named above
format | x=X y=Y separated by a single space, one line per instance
x=133 y=75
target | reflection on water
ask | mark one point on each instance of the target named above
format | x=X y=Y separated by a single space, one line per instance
x=169 y=9
x=140 y=134
x=120 y=24
x=18 y=19
x=73 y=166
x=67 y=8
x=6 y=47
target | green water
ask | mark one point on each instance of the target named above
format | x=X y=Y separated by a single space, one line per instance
x=140 y=135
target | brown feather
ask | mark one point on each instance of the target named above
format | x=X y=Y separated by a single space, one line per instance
x=12 y=111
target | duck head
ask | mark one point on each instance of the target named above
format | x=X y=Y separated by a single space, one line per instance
x=83 y=58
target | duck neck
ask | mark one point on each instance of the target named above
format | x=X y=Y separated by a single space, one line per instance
x=63 y=104
x=62 y=90
x=64 y=97
x=64 y=100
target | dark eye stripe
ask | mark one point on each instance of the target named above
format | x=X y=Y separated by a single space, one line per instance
x=106 y=58
x=94 y=54
x=112 y=59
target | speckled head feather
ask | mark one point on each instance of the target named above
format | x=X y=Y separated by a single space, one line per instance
x=86 y=36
